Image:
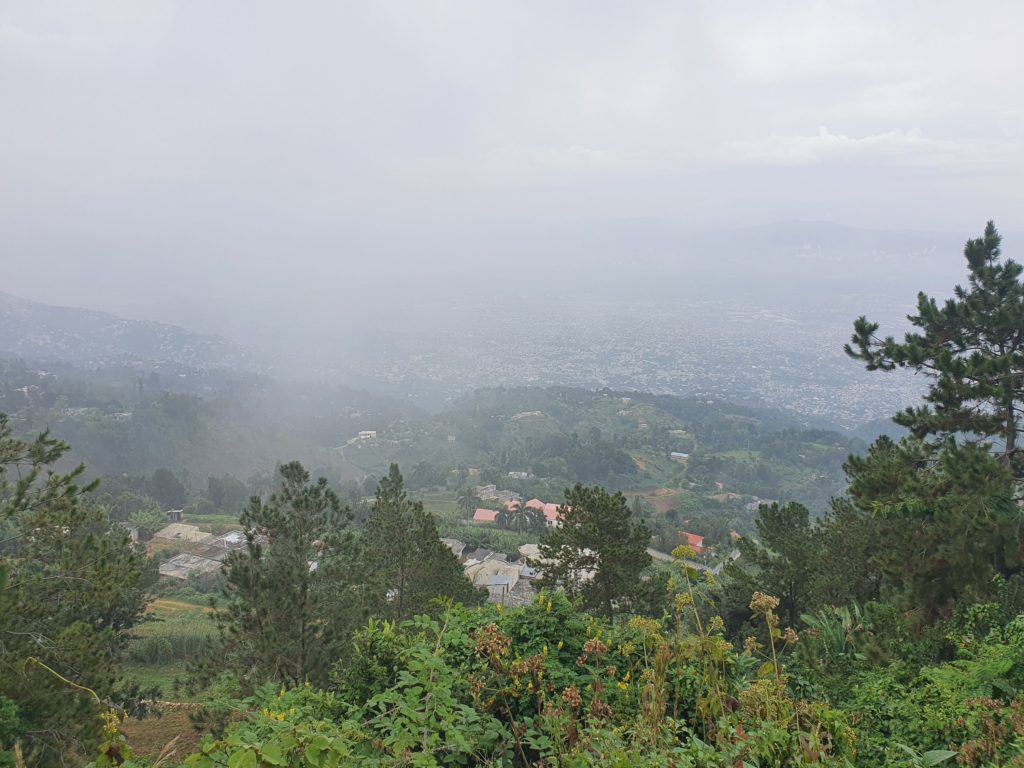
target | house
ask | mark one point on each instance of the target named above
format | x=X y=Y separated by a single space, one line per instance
x=552 y=517
x=519 y=475
x=477 y=555
x=182 y=533
x=486 y=492
x=366 y=434
x=679 y=456
x=175 y=515
x=502 y=580
x=206 y=555
x=485 y=515
x=693 y=541
x=529 y=555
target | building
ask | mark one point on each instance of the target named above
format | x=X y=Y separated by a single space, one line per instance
x=529 y=557
x=679 y=456
x=182 y=533
x=693 y=541
x=552 y=517
x=486 y=492
x=504 y=581
x=366 y=434
x=484 y=516
x=175 y=515
x=205 y=557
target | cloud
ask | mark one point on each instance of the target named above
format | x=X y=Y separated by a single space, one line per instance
x=905 y=147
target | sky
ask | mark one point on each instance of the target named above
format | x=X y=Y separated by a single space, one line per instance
x=235 y=163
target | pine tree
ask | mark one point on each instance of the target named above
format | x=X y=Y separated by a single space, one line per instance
x=972 y=347
x=70 y=591
x=291 y=602
x=945 y=520
x=781 y=560
x=944 y=498
x=598 y=552
x=405 y=560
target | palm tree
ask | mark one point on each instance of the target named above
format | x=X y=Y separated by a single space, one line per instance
x=467 y=501
x=520 y=517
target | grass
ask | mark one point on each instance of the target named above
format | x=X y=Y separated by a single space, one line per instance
x=176 y=633
x=441 y=504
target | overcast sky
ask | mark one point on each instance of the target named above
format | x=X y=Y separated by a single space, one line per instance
x=153 y=150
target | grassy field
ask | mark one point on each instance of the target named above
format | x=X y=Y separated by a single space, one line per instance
x=441 y=504
x=215 y=523
x=174 y=632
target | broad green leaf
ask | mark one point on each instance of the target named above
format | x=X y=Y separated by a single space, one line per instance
x=937 y=756
x=273 y=754
x=244 y=759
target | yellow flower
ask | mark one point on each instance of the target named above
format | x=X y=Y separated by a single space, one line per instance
x=561 y=644
x=545 y=649
x=622 y=685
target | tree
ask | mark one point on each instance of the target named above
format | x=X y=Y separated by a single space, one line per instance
x=781 y=561
x=848 y=550
x=70 y=591
x=947 y=519
x=467 y=501
x=167 y=489
x=291 y=604
x=971 y=347
x=148 y=521
x=226 y=493
x=520 y=517
x=405 y=559
x=945 y=495
x=598 y=552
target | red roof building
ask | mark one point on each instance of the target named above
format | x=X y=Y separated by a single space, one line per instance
x=692 y=540
x=485 y=515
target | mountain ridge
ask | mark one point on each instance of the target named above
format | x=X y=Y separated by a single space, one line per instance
x=40 y=331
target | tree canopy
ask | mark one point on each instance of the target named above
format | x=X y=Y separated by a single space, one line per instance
x=598 y=551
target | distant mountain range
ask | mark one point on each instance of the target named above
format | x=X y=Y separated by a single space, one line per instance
x=36 y=331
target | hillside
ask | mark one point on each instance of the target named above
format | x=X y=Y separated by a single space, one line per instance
x=36 y=331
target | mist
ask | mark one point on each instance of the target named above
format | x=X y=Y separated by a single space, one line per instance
x=342 y=187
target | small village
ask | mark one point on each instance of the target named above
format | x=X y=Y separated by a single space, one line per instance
x=508 y=577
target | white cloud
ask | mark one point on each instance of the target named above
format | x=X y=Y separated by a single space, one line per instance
x=905 y=147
